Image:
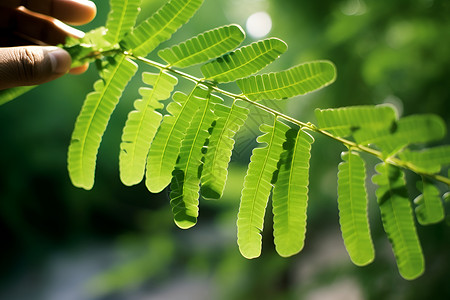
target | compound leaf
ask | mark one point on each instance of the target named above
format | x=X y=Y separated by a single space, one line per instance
x=378 y=125
x=203 y=47
x=412 y=130
x=141 y=126
x=352 y=203
x=430 y=160
x=363 y=122
x=290 y=194
x=93 y=119
x=398 y=223
x=257 y=187
x=219 y=149
x=160 y=26
x=165 y=147
x=186 y=178
x=121 y=19
x=429 y=209
x=244 y=61
x=299 y=80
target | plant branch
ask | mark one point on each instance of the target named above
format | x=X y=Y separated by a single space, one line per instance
x=309 y=126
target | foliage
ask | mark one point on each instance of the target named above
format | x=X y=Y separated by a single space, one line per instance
x=93 y=119
x=397 y=220
x=190 y=147
x=353 y=208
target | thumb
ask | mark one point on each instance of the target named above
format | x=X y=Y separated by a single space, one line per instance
x=32 y=65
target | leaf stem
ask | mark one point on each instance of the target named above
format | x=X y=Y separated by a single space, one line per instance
x=309 y=126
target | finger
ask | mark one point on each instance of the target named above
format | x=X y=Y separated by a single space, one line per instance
x=32 y=65
x=39 y=29
x=74 y=12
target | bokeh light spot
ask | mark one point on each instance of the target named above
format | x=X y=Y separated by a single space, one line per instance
x=259 y=24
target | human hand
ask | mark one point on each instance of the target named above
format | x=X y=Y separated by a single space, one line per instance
x=38 y=22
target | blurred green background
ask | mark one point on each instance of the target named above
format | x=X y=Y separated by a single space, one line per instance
x=117 y=242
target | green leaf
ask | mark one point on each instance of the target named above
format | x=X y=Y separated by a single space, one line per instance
x=290 y=194
x=429 y=160
x=257 y=187
x=160 y=26
x=166 y=145
x=299 y=80
x=244 y=61
x=12 y=93
x=429 y=209
x=378 y=125
x=363 y=122
x=94 y=38
x=413 y=129
x=83 y=50
x=398 y=223
x=203 y=47
x=219 y=149
x=186 y=176
x=80 y=54
x=121 y=19
x=352 y=202
x=141 y=126
x=93 y=119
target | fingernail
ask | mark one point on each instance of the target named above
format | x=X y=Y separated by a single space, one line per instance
x=59 y=59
